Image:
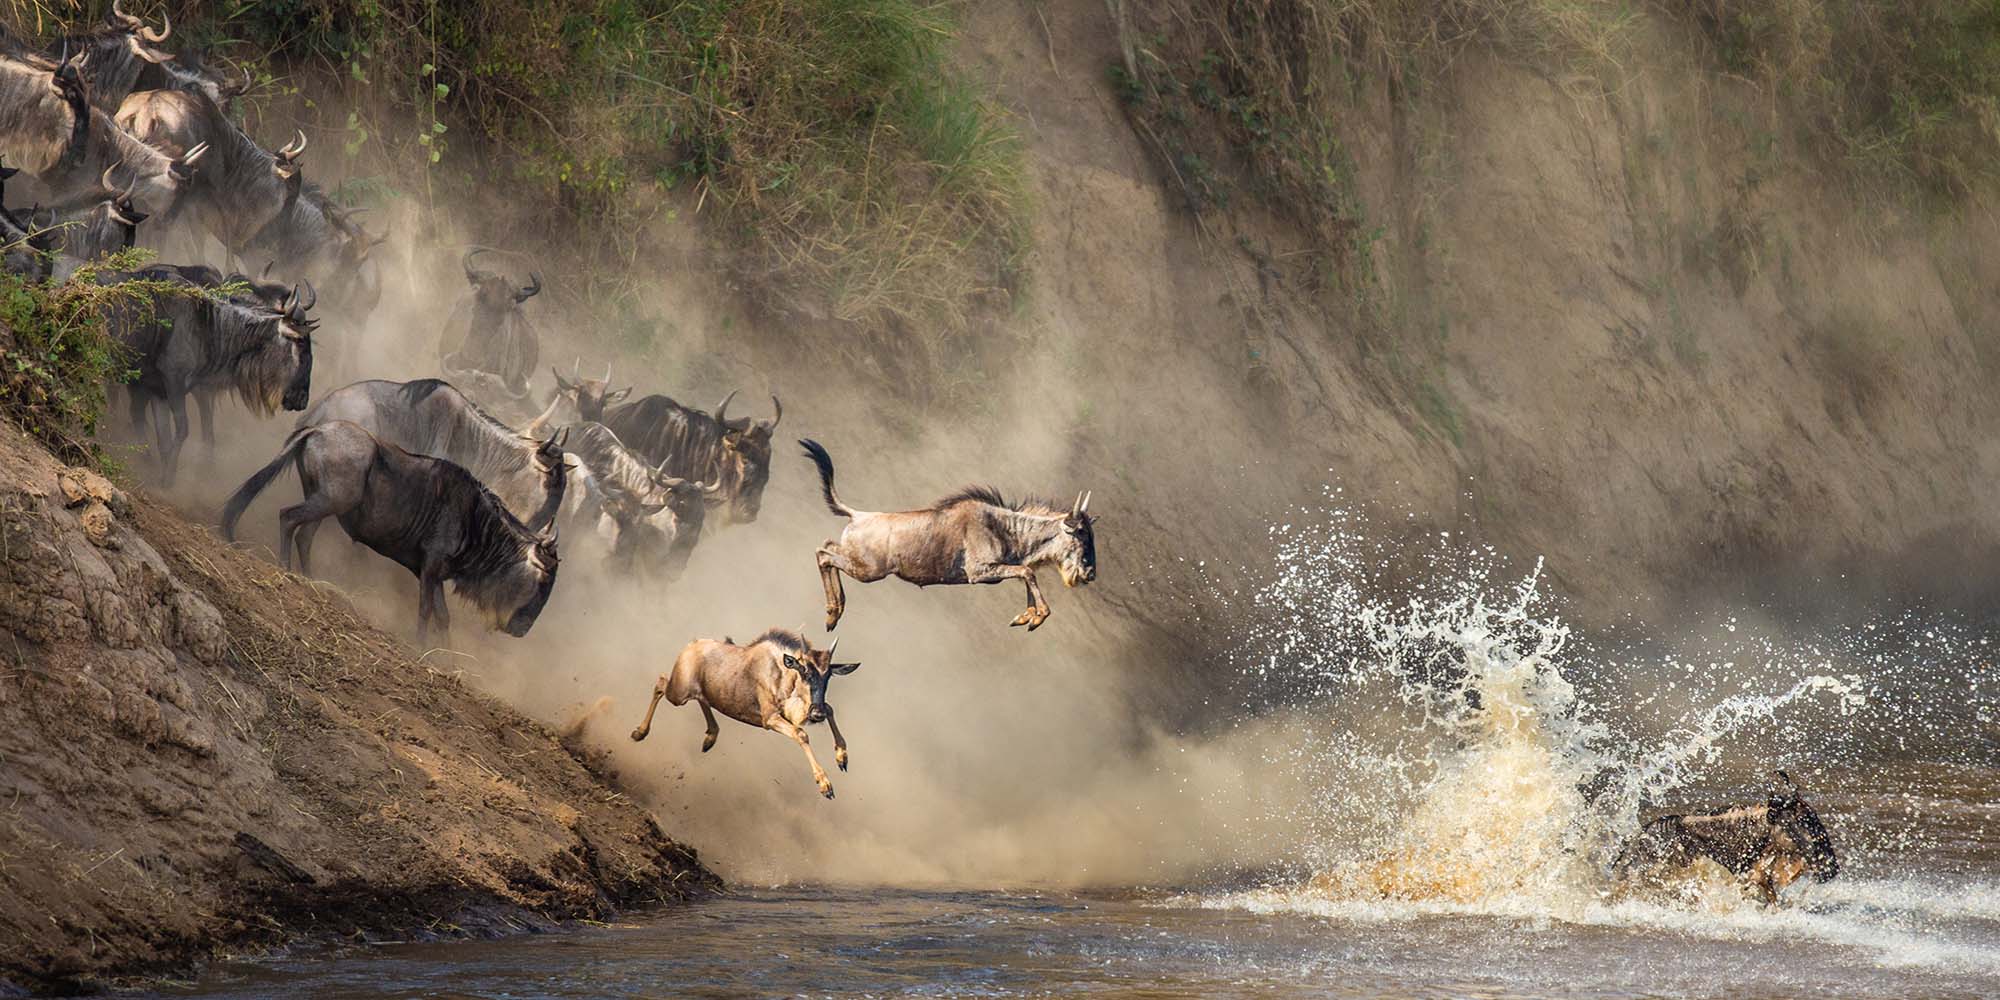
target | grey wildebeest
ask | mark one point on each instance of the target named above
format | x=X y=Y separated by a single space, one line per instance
x=242 y=187
x=184 y=338
x=587 y=396
x=110 y=225
x=777 y=682
x=690 y=444
x=49 y=129
x=428 y=514
x=318 y=240
x=489 y=331
x=28 y=246
x=430 y=417
x=121 y=56
x=1767 y=847
x=655 y=518
x=972 y=536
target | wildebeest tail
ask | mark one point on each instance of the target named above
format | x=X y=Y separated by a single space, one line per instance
x=240 y=500
x=824 y=463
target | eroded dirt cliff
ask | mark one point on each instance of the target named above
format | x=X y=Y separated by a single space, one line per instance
x=199 y=751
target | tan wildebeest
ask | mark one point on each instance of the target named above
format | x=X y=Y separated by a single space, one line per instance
x=1765 y=846
x=777 y=682
x=972 y=536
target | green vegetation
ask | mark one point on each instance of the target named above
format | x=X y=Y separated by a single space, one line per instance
x=56 y=358
x=857 y=174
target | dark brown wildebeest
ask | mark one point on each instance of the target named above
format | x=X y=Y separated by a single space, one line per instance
x=777 y=682
x=1766 y=846
x=427 y=514
x=693 y=445
x=490 y=332
x=430 y=417
x=655 y=518
x=972 y=536
x=183 y=341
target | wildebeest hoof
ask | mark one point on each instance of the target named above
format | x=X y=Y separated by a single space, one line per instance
x=1022 y=618
x=826 y=789
x=840 y=761
x=832 y=619
x=708 y=744
x=638 y=734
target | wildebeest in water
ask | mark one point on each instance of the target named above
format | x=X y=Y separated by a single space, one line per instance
x=1765 y=846
x=972 y=536
x=427 y=514
x=777 y=682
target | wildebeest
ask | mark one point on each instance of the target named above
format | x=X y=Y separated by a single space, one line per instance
x=109 y=225
x=972 y=536
x=184 y=340
x=489 y=331
x=693 y=445
x=587 y=396
x=318 y=240
x=777 y=682
x=242 y=186
x=656 y=519
x=1766 y=846
x=428 y=514
x=430 y=417
x=48 y=127
x=28 y=245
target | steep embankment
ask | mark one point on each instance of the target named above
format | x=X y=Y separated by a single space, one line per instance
x=199 y=751
x=1616 y=312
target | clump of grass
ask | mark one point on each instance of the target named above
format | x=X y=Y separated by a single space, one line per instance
x=1908 y=93
x=857 y=173
x=57 y=359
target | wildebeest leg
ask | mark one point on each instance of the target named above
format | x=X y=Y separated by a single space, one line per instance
x=204 y=404
x=430 y=605
x=136 y=400
x=303 y=538
x=839 y=741
x=1038 y=609
x=779 y=723
x=646 y=724
x=708 y=739
x=832 y=562
x=171 y=457
x=163 y=432
x=304 y=515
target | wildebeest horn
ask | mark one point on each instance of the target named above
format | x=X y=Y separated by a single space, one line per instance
x=470 y=274
x=244 y=88
x=293 y=149
x=105 y=181
x=831 y=646
x=723 y=408
x=661 y=469
x=156 y=37
x=1084 y=507
x=1076 y=507
x=778 y=406
x=530 y=290
x=268 y=265
x=312 y=299
x=118 y=16
x=607 y=373
x=193 y=156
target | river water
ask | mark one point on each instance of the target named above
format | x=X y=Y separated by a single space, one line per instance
x=1473 y=769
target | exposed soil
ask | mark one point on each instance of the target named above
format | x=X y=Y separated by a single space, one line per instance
x=200 y=752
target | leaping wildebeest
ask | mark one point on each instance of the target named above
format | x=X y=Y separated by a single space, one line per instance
x=430 y=515
x=1765 y=846
x=490 y=332
x=972 y=536
x=693 y=445
x=430 y=417
x=777 y=682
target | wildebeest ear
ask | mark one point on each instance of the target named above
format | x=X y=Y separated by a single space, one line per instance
x=845 y=668
x=617 y=394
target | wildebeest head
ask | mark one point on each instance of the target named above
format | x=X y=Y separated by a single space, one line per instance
x=817 y=667
x=746 y=454
x=495 y=291
x=553 y=466
x=589 y=395
x=295 y=321
x=142 y=40
x=1076 y=552
x=515 y=600
x=1788 y=811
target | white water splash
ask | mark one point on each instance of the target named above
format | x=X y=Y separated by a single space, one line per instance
x=1464 y=773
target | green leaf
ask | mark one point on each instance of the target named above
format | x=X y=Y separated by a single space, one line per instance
x=437 y=128
x=443 y=90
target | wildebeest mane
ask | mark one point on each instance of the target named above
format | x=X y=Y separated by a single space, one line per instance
x=785 y=638
x=991 y=495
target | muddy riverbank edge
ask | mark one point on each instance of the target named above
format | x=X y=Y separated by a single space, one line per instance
x=201 y=754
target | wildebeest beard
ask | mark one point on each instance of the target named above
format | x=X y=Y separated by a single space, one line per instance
x=502 y=581
x=273 y=368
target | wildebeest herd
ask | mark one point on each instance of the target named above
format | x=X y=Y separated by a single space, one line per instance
x=116 y=134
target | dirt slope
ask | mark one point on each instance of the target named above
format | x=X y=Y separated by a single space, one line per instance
x=201 y=752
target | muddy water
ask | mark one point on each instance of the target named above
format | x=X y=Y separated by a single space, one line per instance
x=1475 y=772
